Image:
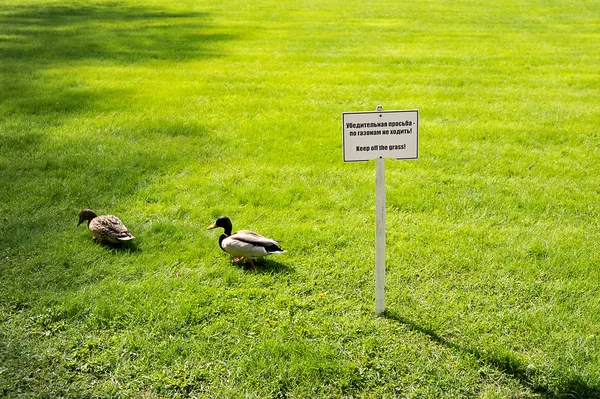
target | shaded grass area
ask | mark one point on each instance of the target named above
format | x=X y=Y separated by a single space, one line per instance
x=171 y=114
x=507 y=364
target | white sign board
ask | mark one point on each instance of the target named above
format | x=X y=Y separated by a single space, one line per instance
x=380 y=134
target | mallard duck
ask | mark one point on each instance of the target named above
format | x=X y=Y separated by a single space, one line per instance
x=244 y=244
x=106 y=228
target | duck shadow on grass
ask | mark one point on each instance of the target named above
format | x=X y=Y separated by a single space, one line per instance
x=508 y=365
x=123 y=247
x=266 y=266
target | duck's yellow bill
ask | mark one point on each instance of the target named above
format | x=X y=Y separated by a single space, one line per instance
x=212 y=226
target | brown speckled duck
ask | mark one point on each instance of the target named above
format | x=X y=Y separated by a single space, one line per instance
x=105 y=228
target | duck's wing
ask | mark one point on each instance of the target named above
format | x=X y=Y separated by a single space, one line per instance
x=255 y=242
x=110 y=228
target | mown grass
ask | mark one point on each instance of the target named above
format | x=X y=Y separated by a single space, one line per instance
x=170 y=114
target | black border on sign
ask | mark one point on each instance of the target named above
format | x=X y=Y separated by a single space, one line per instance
x=378 y=112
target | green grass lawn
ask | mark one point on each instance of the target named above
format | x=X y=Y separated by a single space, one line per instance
x=171 y=113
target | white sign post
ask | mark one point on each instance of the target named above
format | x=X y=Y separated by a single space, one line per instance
x=379 y=135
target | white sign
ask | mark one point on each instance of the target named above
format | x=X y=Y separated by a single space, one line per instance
x=380 y=134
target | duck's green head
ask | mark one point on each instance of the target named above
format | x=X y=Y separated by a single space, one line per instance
x=223 y=222
x=86 y=214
